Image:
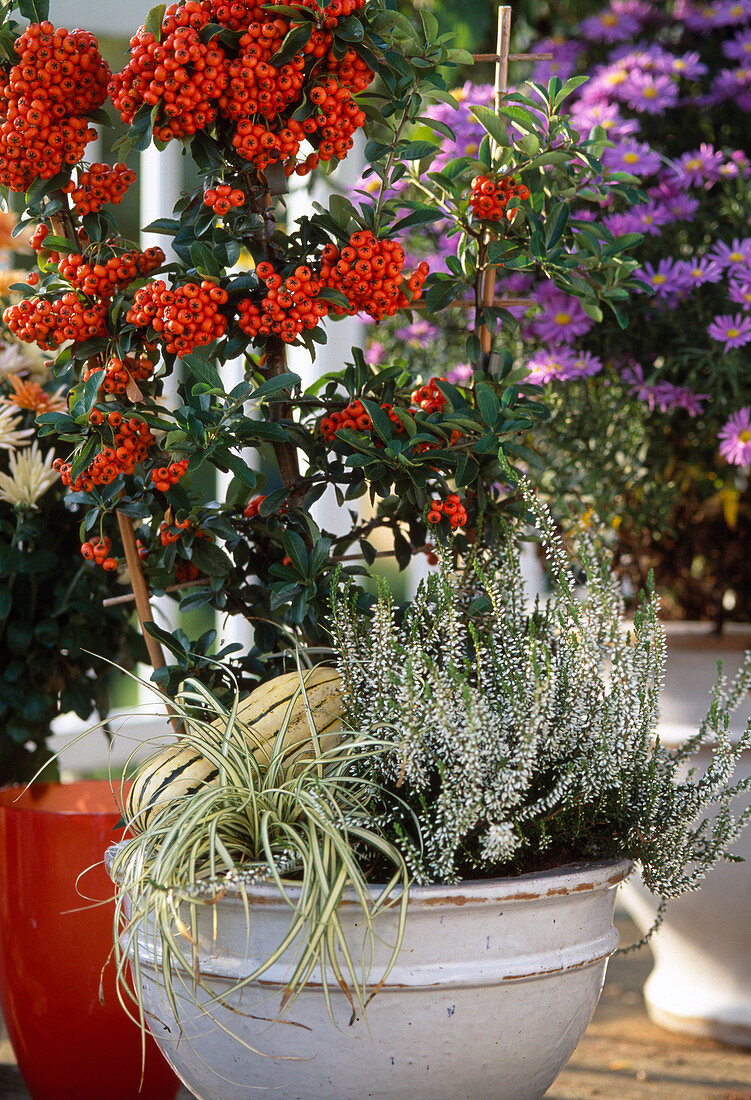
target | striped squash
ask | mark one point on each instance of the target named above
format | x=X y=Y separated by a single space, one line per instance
x=172 y=772
x=178 y=769
x=280 y=700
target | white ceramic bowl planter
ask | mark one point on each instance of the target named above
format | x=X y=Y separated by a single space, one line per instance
x=701 y=982
x=492 y=990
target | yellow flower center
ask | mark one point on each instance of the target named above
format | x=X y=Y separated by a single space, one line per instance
x=631 y=158
x=649 y=92
x=744 y=436
x=471 y=149
x=736 y=257
x=733 y=332
x=693 y=163
x=658 y=280
x=609 y=19
x=617 y=77
x=563 y=318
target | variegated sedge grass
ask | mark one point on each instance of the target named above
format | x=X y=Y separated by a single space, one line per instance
x=291 y=821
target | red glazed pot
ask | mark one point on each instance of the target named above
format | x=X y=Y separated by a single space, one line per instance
x=53 y=946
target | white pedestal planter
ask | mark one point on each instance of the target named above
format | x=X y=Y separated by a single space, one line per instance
x=701 y=982
x=494 y=986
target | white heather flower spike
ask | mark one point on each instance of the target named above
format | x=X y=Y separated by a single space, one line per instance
x=31 y=475
x=11 y=435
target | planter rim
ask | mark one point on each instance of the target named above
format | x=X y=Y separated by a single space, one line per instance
x=584 y=877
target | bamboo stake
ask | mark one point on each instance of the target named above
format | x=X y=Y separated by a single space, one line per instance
x=513 y=57
x=487 y=292
x=140 y=589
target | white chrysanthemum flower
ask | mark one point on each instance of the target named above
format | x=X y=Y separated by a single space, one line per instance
x=11 y=435
x=31 y=475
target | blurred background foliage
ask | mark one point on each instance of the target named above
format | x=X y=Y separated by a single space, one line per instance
x=474 y=22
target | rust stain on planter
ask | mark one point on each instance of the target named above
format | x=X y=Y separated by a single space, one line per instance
x=459 y=899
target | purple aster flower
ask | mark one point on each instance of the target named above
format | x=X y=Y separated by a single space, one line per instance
x=585 y=364
x=733 y=331
x=562 y=319
x=702 y=270
x=698 y=17
x=666 y=397
x=688 y=65
x=460 y=374
x=648 y=218
x=731 y=83
x=702 y=165
x=651 y=93
x=633 y=375
x=737 y=254
x=610 y=25
x=632 y=156
x=734 y=12
x=740 y=288
x=738 y=48
x=375 y=353
x=678 y=207
x=735 y=438
x=418 y=333
x=668 y=278
x=586 y=116
x=547 y=366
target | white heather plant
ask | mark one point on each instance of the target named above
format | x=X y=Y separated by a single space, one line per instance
x=524 y=735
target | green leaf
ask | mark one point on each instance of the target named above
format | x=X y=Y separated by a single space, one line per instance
x=556 y=225
x=204 y=259
x=273 y=385
x=416 y=150
x=153 y=21
x=210 y=559
x=239 y=467
x=492 y=123
x=295 y=548
x=292 y=44
x=273 y=502
x=203 y=371
x=488 y=404
x=36 y=11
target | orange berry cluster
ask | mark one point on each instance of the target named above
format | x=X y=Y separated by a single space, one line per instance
x=368 y=272
x=179 y=73
x=59 y=78
x=352 y=416
x=117 y=373
x=428 y=397
x=184 y=318
x=251 y=508
x=49 y=323
x=172 y=532
x=222 y=196
x=194 y=82
x=166 y=476
x=98 y=551
x=289 y=306
x=131 y=446
x=99 y=184
x=101 y=280
x=451 y=507
x=186 y=571
x=489 y=198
